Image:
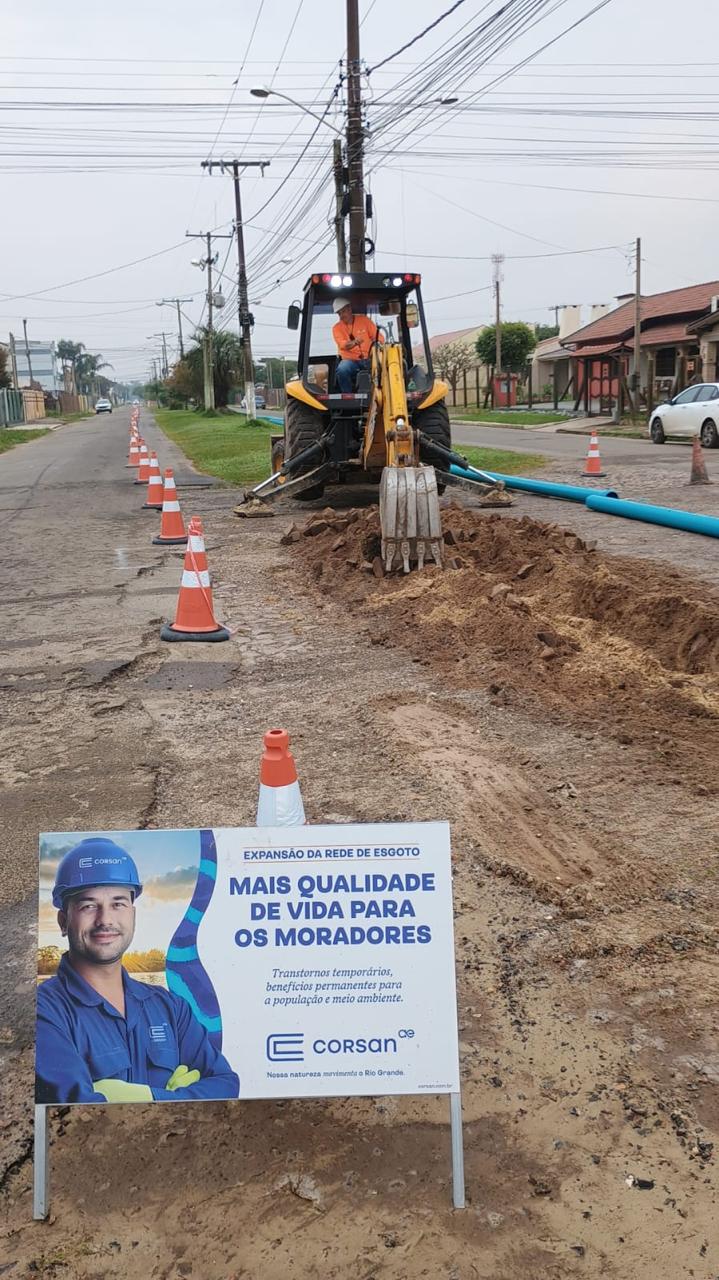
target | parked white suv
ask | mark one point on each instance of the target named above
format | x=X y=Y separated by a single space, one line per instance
x=694 y=411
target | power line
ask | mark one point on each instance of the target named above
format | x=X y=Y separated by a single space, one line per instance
x=414 y=39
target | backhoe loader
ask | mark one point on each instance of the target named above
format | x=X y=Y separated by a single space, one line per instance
x=391 y=429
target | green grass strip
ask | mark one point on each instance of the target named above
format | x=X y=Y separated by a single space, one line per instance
x=225 y=446
x=506 y=461
x=240 y=454
x=10 y=437
x=495 y=418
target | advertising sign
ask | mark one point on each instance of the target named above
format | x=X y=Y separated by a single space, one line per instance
x=258 y=963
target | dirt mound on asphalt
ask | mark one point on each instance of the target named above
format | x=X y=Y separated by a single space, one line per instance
x=529 y=610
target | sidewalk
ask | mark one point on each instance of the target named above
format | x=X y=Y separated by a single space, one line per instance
x=579 y=426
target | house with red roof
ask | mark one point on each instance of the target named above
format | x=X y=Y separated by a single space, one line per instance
x=679 y=343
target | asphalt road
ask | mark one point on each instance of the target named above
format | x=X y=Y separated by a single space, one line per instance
x=567 y=446
x=81 y=586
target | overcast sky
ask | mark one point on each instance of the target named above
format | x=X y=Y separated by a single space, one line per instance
x=577 y=150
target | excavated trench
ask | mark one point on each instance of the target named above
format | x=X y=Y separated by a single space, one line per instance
x=533 y=613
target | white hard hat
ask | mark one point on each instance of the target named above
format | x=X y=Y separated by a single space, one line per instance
x=339 y=303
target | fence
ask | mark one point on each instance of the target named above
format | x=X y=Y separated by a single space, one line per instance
x=471 y=388
x=11 y=408
x=70 y=403
x=33 y=405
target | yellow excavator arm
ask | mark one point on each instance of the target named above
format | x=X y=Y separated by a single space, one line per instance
x=409 y=503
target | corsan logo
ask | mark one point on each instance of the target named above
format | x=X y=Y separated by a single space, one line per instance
x=289 y=1047
x=373 y=1044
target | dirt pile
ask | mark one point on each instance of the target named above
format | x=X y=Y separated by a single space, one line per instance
x=531 y=611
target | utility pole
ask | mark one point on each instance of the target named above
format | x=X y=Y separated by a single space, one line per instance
x=497 y=260
x=339 y=172
x=27 y=352
x=207 y=359
x=209 y=362
x=168 y=302
x=165 y=366
x=13 y=361
x=636 y=374
x=246 y=319
x=355 y=141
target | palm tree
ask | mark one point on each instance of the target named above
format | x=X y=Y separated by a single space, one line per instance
x=226 y=363
x=87 y=367
x=69 y=353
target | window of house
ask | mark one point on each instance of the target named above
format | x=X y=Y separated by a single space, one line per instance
x=664 y=362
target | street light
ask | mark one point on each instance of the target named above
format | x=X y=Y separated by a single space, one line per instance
x=264 y=91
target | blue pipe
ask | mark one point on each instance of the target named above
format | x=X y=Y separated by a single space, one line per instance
x=690 y=521
x=572 y=493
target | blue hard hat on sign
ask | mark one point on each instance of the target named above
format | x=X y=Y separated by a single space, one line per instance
x=94 y=861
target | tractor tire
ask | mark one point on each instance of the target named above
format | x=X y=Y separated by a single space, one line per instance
x=434 y=422
x=277 y=458
x=303 y=427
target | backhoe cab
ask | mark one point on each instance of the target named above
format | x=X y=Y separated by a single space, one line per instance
x=390 y=428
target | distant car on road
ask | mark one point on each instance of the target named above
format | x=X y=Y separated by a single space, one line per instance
x=103 y=406
x=694 y=411
x=260 y=402
x=136 y=402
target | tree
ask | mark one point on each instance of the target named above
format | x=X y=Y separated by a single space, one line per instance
x=273 y=370
x=87 y=367
x=227 y=364
x=186 y=380
x=453 y=359
x=518 y=343
x=69 y=353
x=48 y=959
x=4 y=375
x=542 y=331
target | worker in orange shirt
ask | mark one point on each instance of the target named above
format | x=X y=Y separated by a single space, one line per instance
x=354 y=336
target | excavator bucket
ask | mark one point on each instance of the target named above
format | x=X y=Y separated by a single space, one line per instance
x=409 y=517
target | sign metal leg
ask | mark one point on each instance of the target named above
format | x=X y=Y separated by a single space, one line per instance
x=455 y=1119
x=41 y=1166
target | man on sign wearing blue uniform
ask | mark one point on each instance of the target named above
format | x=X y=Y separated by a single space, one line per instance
x=101 y=1036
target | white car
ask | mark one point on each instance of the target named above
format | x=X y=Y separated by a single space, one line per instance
x=103 y=406
x=694 y=411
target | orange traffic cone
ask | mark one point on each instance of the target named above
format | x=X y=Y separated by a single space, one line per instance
x=133 y=459
x=280 y=800
x=593 y=465
x=172 y=529
x=153 y=501
x=194 y=617
x=699 y=471
x=143 y=468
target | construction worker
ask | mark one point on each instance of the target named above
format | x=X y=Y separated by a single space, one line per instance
x=102 y=1036
x=354 y=336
